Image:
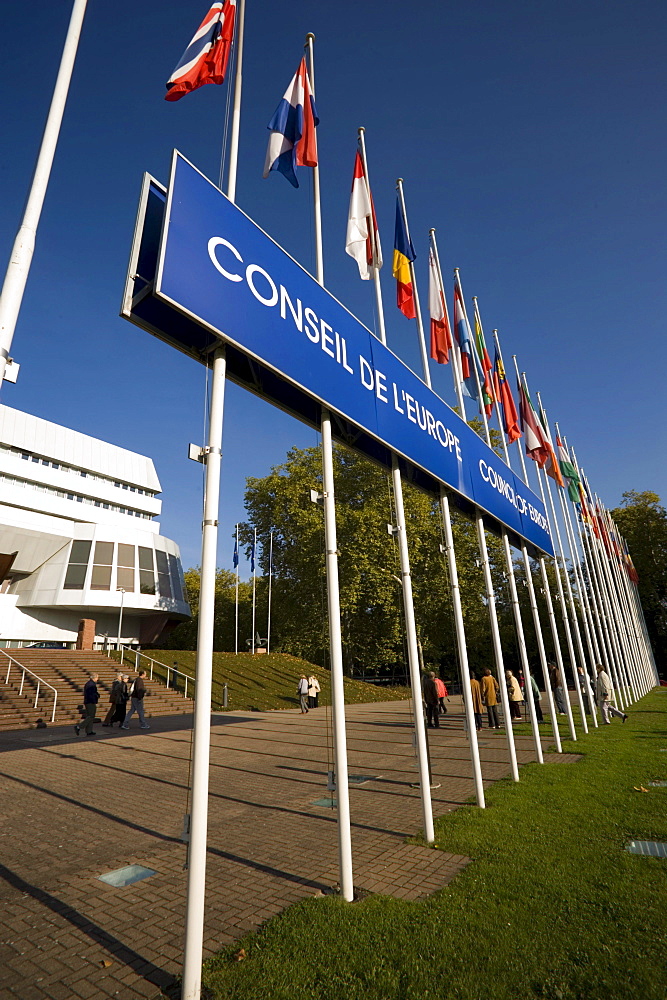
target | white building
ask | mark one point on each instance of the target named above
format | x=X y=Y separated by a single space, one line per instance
x=79 y=538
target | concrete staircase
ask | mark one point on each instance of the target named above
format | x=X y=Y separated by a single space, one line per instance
x=68 y=670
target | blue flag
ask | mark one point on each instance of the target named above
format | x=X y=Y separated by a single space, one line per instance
x=236 y=553
x=252 y=558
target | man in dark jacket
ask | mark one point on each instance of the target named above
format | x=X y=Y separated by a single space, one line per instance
x=90 y=699
x=138 y=693
x=431 y=700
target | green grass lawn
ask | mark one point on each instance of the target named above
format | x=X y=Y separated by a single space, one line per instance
x=551 y=907
x=264 y=682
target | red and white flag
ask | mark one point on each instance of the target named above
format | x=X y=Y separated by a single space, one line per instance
x=363 y=238
x=441 y=334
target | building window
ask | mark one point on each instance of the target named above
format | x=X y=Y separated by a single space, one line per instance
x=176 y=578
x=101 y=578
x=146 y=571
x=125 y=576
x=78 y=564
x=163 y=573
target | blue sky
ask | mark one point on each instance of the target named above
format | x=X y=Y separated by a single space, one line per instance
x=531 y=135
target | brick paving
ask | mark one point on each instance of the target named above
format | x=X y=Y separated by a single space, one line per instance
x=73 y=809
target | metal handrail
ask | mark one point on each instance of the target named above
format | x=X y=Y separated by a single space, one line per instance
x=40 y=681
x=170 y=670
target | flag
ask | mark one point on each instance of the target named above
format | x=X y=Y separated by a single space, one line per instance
x=629 y=565
x=488 y=397
x=568 y=470
x=235 y=560
x=551 y=466
x=464 y=340
x=503 y=395
x=252 y=555
x=404 y=254
x=206 y=57
x=441 y=335
x=363 y=238
x=536 y=445
x=293 y=142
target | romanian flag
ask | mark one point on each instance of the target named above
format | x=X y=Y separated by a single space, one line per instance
x=441 y=336
x=404 y=254
x=206 y=57
x=488 y=395
x=503 y=395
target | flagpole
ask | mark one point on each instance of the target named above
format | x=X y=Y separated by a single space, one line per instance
x=537 y=623
x=420 y=325
x=333 y=594
x=631 y=637
x=574 y=627
x=630 y=695
x=606 y=647
x=633 y=626
x=456 y=365
x=236 y=108
x=24 y=245
x=254 y=588
x=268 y=617
x=236 y=616
x=478 y=319
x=361 y=132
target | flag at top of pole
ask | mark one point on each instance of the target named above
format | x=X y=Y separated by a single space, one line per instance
x=206 y=57
x=464 y=340
x=363 y=238
x=488 y=396
x=505 y=399
x=235 y=560
x=536 y=444
x=404 y=255
x=568 y=471
x=293 y=141
x=441 y=335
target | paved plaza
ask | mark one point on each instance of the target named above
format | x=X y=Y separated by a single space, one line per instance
x=74 y=809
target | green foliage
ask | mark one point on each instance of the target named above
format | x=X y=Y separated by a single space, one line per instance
x=551 y=908
x=642 y=521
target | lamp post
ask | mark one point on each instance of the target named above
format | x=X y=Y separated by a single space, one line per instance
x=121 y=591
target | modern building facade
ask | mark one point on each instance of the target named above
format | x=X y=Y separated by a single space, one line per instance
x=79 y=538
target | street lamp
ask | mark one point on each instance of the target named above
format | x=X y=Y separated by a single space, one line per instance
x=121 y=591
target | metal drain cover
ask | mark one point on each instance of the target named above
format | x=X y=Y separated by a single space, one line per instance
x=658 y=784
x=326 y=803
x=650 y=848
x=126 y=876
x=360 y=779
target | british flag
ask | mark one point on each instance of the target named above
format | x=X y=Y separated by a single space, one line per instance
x=206 y=57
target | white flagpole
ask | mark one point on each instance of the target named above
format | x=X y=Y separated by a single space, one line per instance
x=625 y=657
x=236 y=615
x=268 y=617
x=631 y=633
x=375 y=240
x=456 y=360
x=333 y=594
x=201 y=740
x=572 y=627
x=420 y=325
x=24 y=244
x=622 y=620
x=254 y=589
x=486 y=568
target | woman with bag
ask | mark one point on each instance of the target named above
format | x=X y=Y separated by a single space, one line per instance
x=514 y=694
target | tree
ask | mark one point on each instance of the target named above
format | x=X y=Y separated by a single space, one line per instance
x=642 y=520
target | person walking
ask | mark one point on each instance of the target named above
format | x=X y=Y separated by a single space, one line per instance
x=122 y=698
x=556 y=681
x=313 y=691
x=604 y=694
x=91 y=696
x=431 y=700
x=583 y=679
x=476 y=700
x=137 y=695
x=441 y=688
x=514 y=694
x=302 y=691
x=537 y=698
x=490 y=692
x=109 y=717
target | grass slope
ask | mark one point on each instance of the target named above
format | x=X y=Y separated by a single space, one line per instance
x=265 y=682
x=552 y=906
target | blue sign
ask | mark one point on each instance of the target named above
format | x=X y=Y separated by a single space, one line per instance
x=219 y=268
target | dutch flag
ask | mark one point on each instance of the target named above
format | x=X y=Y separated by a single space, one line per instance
x=292 y=142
